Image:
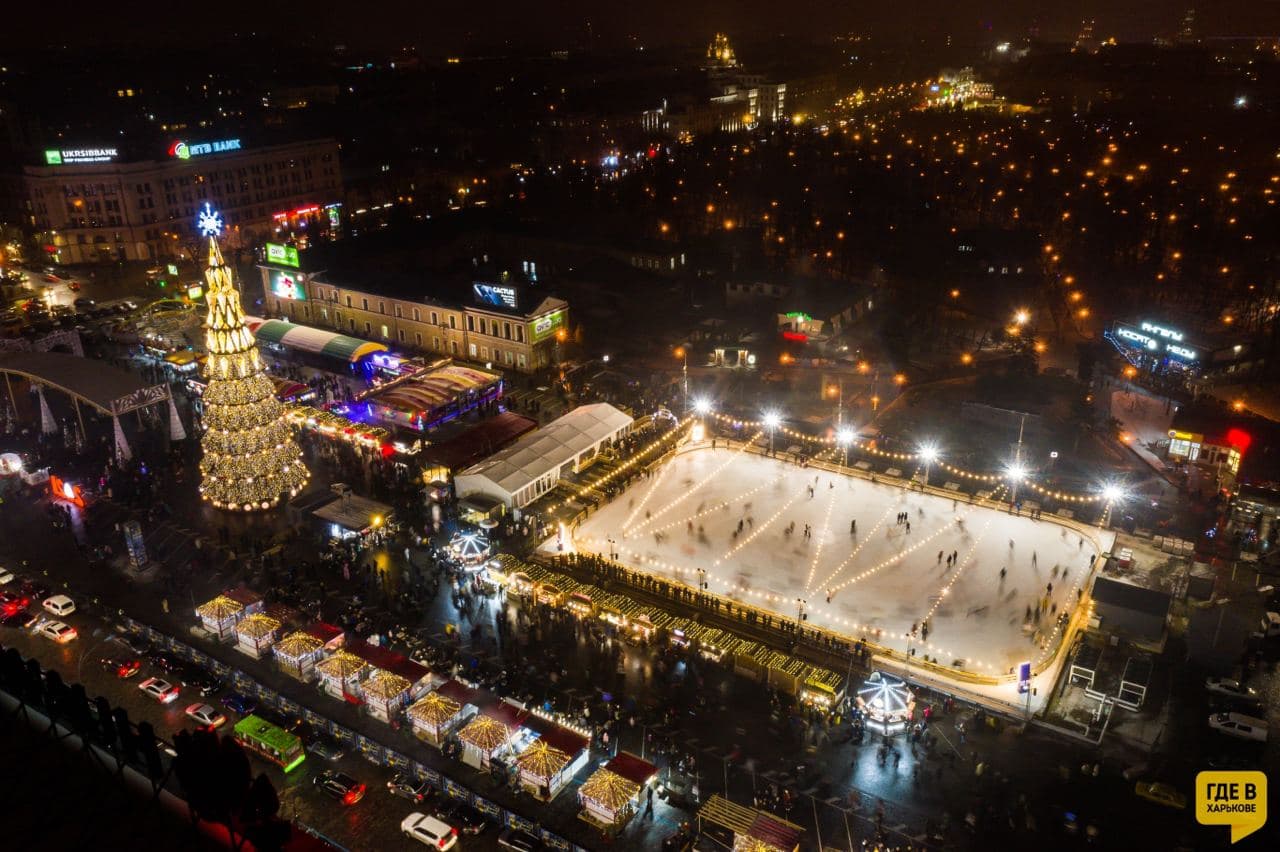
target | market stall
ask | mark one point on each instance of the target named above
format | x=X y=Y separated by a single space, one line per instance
x=552 y=760
x=255 y=634
x=384 y=694
x=494 y=733
x=612 y=794
x=340 y=676
x=822 y=688
x=434 y=716
x=298 y=653
x=220 y=615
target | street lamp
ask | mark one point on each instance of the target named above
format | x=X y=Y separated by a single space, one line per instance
x=1021 y=317
x=702 y=406
x=928 y=454
x=771 y=421
x=844 y=438
x=1016 y=473
x=683 y=354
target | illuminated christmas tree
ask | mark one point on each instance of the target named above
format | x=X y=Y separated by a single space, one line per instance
x=250 y=458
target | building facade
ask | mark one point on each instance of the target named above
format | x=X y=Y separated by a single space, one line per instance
x=92 y=205
x=510 y=336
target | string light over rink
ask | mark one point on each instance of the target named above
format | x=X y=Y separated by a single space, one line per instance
x=845 y=440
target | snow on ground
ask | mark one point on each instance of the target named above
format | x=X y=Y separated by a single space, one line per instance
x=742 y=518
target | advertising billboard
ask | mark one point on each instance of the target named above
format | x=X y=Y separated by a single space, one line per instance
x=64 y=156
x=186 y=150
x=546 y=325
x=283 y=255
x=494 y=295
x=287 y=285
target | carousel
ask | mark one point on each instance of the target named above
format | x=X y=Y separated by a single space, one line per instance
x=887 y=702
x=470 y=548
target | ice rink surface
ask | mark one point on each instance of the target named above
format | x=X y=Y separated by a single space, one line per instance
x=742 y=518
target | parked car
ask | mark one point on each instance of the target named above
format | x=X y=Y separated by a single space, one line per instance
x=1161 y=794
x=239 y=703
x=14 y=600
x=324 y=746
x=1229 y=688
x=466 y=818
x=166 y=663
x=133 y=643
x=430 y=831
x=521 y=841
x=1239 y=725
x=205 y=715
x=6 y=577
x=408 y=786
x=160 y=690
x=59 y=605
x=206 y=684
x=34 y=589
x=286 y=721
x=57 y=631
x=340 y=786
x=123 y=667
x=18 y=617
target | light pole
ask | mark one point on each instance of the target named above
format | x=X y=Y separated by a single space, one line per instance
x=844 y=438
x=800 y=605
x=682 y=353
x=928 y=454
x=771 y=421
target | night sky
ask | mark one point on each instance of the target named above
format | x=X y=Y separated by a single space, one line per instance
x=444 y=27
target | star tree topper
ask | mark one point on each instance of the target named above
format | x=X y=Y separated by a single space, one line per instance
x=209 y=221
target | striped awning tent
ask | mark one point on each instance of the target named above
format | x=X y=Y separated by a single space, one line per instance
x=314 y=340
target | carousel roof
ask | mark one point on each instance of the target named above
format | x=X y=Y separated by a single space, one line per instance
x=470 y=545
x=257 y=625
x=341 y=665
x=385 y=686
x=609 y=789
x=542 y=760
x=297 y=644
x=885 y=693
x=485 y=733
x=434 y=709
x=219 y=609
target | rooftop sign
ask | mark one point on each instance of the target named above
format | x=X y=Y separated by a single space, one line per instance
x=65 y=156
x=185 y=151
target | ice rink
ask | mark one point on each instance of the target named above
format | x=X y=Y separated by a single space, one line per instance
x=743 y=519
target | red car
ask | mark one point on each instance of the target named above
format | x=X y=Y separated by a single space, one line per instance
x=124 y=667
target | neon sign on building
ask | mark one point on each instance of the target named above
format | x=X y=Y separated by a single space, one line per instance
x=185 y=151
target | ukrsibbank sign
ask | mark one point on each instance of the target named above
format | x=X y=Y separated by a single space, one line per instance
x=187 y=150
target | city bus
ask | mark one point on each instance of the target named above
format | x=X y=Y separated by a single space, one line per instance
x=271 y=742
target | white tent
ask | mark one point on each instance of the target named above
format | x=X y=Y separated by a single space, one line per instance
x=531 y=466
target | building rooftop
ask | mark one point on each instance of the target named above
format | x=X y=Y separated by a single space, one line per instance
x=1131 y=597
x=545 y=450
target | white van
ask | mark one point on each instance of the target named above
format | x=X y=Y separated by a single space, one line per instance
x=1239 y=725
x=60 y=605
